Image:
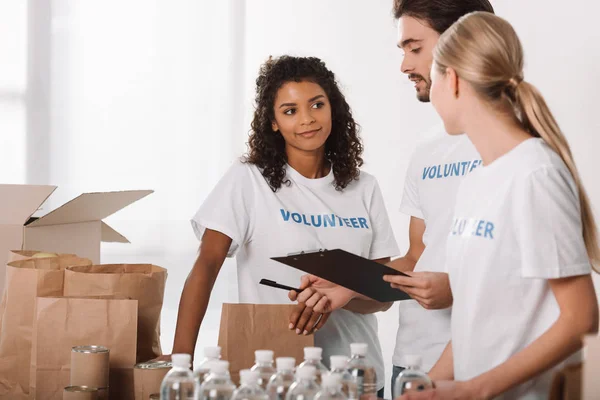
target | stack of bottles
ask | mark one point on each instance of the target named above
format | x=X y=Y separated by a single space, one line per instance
x=351 y=378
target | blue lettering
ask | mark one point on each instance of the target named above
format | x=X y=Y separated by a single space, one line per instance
x=324 y=220
x=456 y=169
x=461 y=227
x=479 y=228
x=447 y=170
x=464 y=165
x=489 y=227
x=474 y=165
x=432 y=172
x=317 y=223
x=439 y=172
x=472 y=227
x=425 y=171
x=331 y=220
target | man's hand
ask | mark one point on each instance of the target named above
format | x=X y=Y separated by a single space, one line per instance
x=430 y=289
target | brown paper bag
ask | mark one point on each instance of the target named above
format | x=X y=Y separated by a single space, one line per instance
x=143 y=282
x=567 y=383
x=18 y=255
x=62 y=323
x=25 y=280
x=246 y=328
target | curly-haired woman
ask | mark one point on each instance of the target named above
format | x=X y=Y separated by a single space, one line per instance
x=299 y=188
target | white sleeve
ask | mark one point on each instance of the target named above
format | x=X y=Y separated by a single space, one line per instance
x=228 y=208
x=410 y=204
x=548 y=226
x=383 y=243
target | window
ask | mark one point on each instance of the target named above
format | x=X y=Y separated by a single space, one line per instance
x=13 y=86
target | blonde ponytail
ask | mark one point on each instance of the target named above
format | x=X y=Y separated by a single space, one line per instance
x=539 y=121
x=485 y=51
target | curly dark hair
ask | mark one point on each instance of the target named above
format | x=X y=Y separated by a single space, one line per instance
x=343 y=147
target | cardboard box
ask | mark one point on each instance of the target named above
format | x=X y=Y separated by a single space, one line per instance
x=566 y=383
x=591 y=366
x=76 y=227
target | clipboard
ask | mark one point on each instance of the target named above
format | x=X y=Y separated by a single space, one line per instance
x=348 y=270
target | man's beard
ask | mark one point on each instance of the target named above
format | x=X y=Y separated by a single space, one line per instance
x=422 y=96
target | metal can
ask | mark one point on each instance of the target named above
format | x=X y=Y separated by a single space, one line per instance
x=90 y=366
x=148 y=376
x=80 y=393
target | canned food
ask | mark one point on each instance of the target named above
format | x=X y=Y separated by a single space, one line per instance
x=80 y=393
x=90 y=366
x=148 y=376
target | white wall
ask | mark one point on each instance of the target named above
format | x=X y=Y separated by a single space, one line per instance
x=152 y=94
x=142 y=96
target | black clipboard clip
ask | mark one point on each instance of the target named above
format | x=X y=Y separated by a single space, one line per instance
x=306 y=252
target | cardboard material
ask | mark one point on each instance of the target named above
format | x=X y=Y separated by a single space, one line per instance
x=142 y=282
x=75 y=227
x=25 y=280
x=566 y=383
x=246 y=328
x=18 y=255
x=111 y=323
x=591 y=366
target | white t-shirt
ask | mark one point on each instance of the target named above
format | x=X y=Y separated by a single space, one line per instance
x=434 y=174
x=309 y=214
x=517 y=224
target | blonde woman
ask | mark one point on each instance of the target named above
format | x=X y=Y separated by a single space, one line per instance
x=523 y=240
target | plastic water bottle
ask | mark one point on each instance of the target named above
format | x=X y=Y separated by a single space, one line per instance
x=179 y=382
x=305 y=387
x=339 y=366
x=218 y=384
x=313 y=356
x=363 y=372
x=264 y=366
x=412 y=379
x=332 y=388
x=249 y=388
x=280 y=382
x=202 y=370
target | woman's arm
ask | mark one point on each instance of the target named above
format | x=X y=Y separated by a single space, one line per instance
x=443 y=370
x=197 y=290
x=578 y=305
